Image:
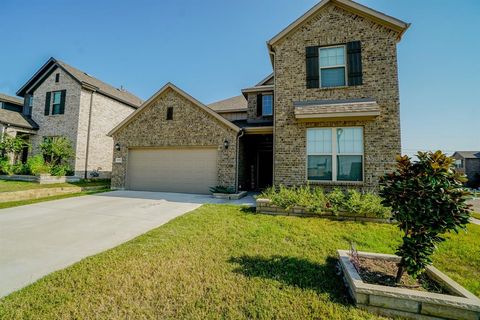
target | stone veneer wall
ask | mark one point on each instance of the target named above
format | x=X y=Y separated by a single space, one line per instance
x=330 y=26
x=106 y=114
x=61 y=124
x=190 y=127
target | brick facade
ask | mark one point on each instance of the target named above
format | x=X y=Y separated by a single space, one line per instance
x=74 y=123
x=190 y=127
x=330 y=26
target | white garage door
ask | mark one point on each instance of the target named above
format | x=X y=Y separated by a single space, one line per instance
x=172 y=170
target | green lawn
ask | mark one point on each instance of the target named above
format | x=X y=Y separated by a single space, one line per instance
x=4 y=205
x=6 y=185
x=224 y=262
x=476 y=215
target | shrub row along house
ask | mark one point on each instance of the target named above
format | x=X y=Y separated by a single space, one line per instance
x=328 y=115
x=60 y=100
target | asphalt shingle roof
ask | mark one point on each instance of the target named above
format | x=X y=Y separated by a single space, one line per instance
x=234 y=103
x=14 y=100
x=469 y=154
x=16 y=119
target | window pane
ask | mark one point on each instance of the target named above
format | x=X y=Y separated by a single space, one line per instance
x=333 y=77
x=319 y=141
x=349 y=168
x=319 y=167
x=56 y=97
x=267 y=105
x=332 y=56
x=350 y=140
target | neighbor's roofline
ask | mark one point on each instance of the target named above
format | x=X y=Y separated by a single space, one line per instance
x=167 y=86
x=83 y=84
x=379 y=17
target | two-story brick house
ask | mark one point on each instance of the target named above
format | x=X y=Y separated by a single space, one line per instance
x=64 y=101
x=327 y=115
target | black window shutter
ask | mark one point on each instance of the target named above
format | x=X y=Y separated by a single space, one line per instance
x=312 y=67
x=354 y=63
x=259 y=104
x=47 y=104
x=62 y=101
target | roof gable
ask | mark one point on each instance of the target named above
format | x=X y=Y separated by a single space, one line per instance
x=348 y=5
x=83 y=79
x=179 y=91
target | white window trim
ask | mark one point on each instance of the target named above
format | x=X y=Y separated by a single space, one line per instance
x=263 y=105
x=334 y=155
x=331 y=67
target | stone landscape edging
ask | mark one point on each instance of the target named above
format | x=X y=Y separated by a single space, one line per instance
x=41 y=179
x=391 y=301
x=43 y=193
x=266 y=206
x=229 y=196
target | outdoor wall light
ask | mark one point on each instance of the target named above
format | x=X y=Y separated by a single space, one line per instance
x=226 y=144
x=117 y=146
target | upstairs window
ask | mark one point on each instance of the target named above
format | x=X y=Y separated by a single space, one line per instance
x=28 y=106
x=267 y=105
x=57 y=77
x=57 y=102
x=332 y=66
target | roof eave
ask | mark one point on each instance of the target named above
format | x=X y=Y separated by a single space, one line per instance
x=381 y=18
x=170 y=85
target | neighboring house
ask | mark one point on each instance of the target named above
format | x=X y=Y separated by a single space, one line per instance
x=328 y=115
x=14 y=123
x=65 y=101
x=468 y=163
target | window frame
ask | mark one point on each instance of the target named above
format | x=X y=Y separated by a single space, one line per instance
x=344 y=46
x=169 y=116
x=263 y=105
x=334 y=154
x=53 y=113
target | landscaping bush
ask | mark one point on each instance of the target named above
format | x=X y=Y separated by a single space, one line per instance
x=315 y=200
x=60 y=170
x=10 y=145
x=427 y=199
x=57 y=150
x=36 y=165
x=5 y=166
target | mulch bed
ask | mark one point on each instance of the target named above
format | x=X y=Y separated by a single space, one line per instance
x=383 y=272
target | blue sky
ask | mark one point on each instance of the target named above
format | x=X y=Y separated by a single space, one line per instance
x=213 y=48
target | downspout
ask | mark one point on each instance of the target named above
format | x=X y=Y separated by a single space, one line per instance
x=88 y=134
x=239 y=135
x=272 y=55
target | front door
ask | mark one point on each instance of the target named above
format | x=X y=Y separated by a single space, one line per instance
x=264 y=169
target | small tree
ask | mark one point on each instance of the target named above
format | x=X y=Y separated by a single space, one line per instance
x=57 y=150
x=12 y=146
x=427 y=199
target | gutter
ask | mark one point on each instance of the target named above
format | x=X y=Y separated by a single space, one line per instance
x=88 y=133
x=239 y=135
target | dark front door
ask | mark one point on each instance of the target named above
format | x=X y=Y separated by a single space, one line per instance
x=264 y=169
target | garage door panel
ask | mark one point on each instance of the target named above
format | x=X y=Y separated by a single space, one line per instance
x=172 y=170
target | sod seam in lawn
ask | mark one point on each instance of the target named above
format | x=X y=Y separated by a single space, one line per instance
x=223 y=261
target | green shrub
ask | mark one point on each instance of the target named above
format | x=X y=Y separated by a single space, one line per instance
x=57 y=150
x=36 y=165
x=315 y=200
x=19 y=168
x=60 y=169
x=222 y=189
x=427 y=199
x=336 y=201
x=5 y=166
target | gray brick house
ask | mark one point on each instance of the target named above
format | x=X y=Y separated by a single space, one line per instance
x=468 y=163
x=64 y=101
x=327 y=115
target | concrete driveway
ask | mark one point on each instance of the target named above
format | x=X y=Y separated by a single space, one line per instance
x=40 y=238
